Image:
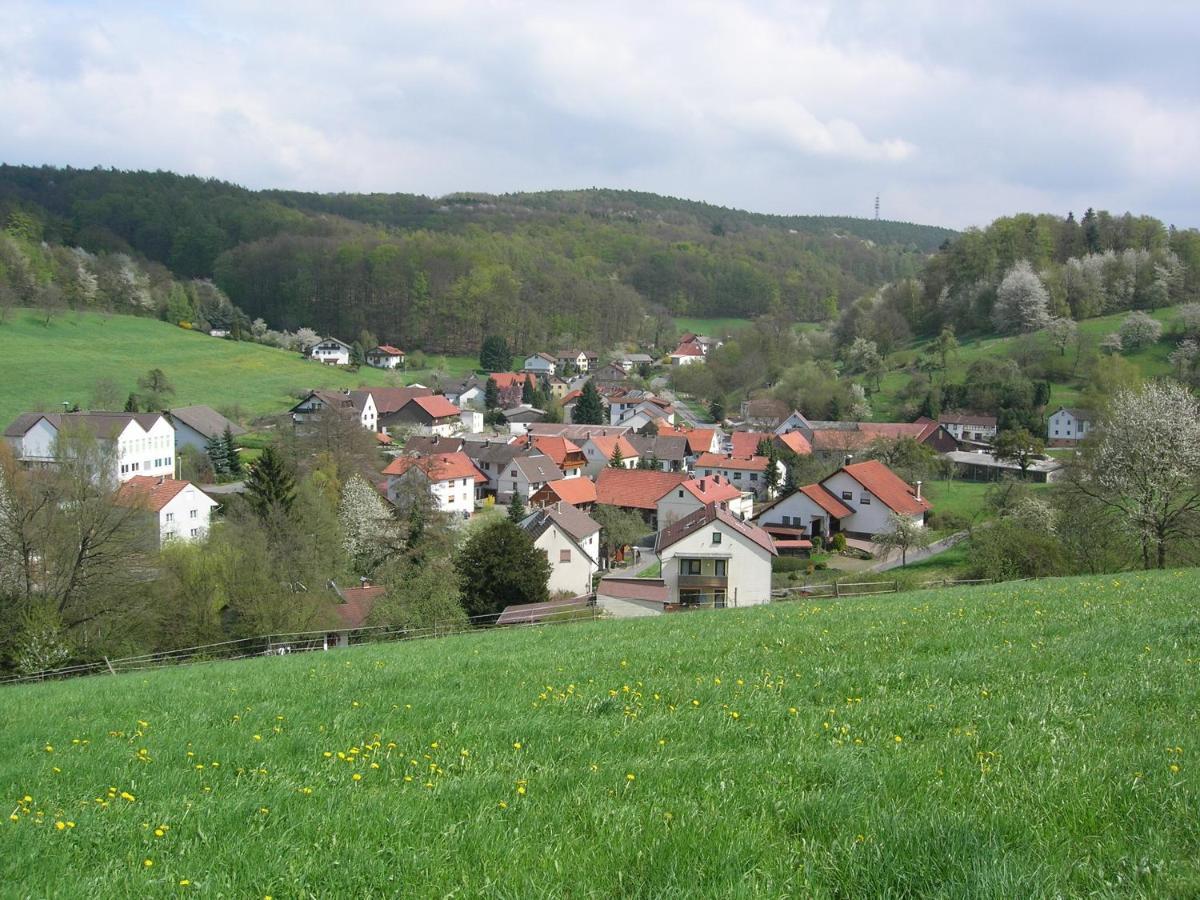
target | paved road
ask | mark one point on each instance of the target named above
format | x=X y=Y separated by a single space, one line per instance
x=647 y=559
x=684 y=411
x=892 y=559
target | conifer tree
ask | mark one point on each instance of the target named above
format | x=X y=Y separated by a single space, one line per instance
x=589 y=409
x=233 y=461
x=271 y=484
x=516 y=509
x=217 y=455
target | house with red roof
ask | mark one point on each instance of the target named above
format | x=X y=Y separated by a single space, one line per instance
x=567 y=455
x=452 y=479
x=712 y=559
x=432 y=414
x=636 y=490
x=175 y=510
x=600 y=447
x=873 y=492
x=578 y=492
x=385 y=356
x=696 y=493
x=700 y=440
x=808 y=512
x=749 y=473
x=352 y=609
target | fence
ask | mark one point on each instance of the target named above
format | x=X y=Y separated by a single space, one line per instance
x=869 y=588
x=294 y=642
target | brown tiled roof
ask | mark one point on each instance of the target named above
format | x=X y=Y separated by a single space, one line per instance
x=555 y=447
x=571 y=490
x=635 y=488
x=796 y=442
x=885 y=484
x=436 y=406
x=438 y=467
x=509 y=379
x=713 y=512
x=390 y=399
x=711 y=489
x=966 y=419
x=699 y=439
x=607 y=444
x=206 y=421
x=745 y=443
x=150 y=492
x=575 y=522
x=387 y=350
x=721 y=461
x=826 y=500
x=358 y=603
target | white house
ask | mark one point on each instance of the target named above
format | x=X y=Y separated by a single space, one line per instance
x=330 y=351
x=712 y=558
x=526 y=475
x=570 y=538
x=580 y=359
x=1069 y=424
x=359 y=405
x=179 y=510
x=969 y=426
x=599 y=450
x=471 y=421
x=430 y=415
x=385 y=356
x=450 y=478
x=195 y=426
x=540 y=364
x=141 y=443
x=467 y=391
x=624 y=406
x=749 y=473
x=873 y=492
x=811 y=510
x=686 y=498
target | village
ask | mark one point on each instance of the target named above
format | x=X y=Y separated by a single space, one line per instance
x=708 y=509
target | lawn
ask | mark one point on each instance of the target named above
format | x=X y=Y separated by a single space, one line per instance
x=717 y=327
x=46 y=366
x=1026 y=740
x=964 y=499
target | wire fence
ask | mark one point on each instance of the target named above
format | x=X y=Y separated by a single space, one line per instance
x=869 y=588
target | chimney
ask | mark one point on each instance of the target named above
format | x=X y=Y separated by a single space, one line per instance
x=918 y=490
x=701 y=485
x=849 y=458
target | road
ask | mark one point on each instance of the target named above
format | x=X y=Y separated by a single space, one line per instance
x=892 y=559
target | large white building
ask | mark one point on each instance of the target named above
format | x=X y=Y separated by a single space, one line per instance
x=1069 y=424
x=179 y=510
x=356 y=404
x=330 y=351
x=195 y=426
x=570 y=539
x=712 y=558
x=450 y=478
x=138 y=443
x=696 y=493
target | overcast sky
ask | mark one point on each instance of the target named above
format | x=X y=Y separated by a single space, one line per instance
x=954 y=112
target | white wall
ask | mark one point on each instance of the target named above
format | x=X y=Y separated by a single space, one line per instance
x=454 y=495
x=870 y=517
x=1064 y=426
x=748 y=566
x=800 y=507
x=187 y=517
x=574 y=575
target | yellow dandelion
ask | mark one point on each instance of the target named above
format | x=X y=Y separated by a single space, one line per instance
x=503 y=805
x=70 y=824
x=183 y=882
x=147 y=862
x=125 y=795
x=158 y=832
x=516 y=745
x=898 y=739
x=258 y=737
x=49 y=748
x=60 y=825
x=629 y=776
x=356 y=776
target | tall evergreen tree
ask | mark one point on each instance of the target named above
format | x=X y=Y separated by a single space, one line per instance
x=589 y=409
x=271 y=484
x=233 y=459
x=500 y=566
x=494 y=354
x=617 y=460
x=217 y=455
x=516 y=509
x=491 y=394
x=528 y=396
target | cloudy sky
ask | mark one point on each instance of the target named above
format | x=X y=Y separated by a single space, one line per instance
x=954 y=112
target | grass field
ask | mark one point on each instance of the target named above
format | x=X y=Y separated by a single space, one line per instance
x=44 y=366
x=1025 y=740
x=964 y=498
x=710 y=327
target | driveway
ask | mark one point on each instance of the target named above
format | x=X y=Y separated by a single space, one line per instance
x=892 y=559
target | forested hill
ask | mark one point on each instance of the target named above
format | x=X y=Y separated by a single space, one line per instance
x=439 y=273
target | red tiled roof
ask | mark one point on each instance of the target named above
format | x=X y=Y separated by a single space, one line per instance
x=743 y=463
x=688 y=349
x=714 y=512
x=826 y=500
x=840 y=439
x=437 y=406
x=383 y=437
x=388 y=350
x=606 y=444
x=896 y=430
x=508 y=379
x=885 y=484
x=571 y=490
x=358 y=604
x=571 y=395
x=699 y=439
x=794 y=545
x=745 y=443
x=711 y=489
x=796 y=442
x=635 y=488
x=555 y=447
x=151 y=492
x=438 y=467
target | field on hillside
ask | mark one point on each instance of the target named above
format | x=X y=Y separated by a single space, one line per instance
x=45 y=366
x=1032 y=739
x=1151 y=361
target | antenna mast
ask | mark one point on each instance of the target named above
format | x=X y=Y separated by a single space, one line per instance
x=876 y=207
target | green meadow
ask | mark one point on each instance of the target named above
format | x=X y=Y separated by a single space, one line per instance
x=46 y=365
x=1024 y=740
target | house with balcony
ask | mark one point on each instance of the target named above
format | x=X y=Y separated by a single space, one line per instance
x=330 y=351
x=712 y=559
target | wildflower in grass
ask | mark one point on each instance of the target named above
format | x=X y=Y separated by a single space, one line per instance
x=792 y=710
x=734 y=714
x=128 y=797
x=898 y=739
x=516 y=745
x=356 y=777
x=158 y=832
x=1174 y=768
x=49 y=748
x=60 y=825
x=263 y=810
x=695 y=702
x=14 y=817
x=147 y=862
x=183 y=882
x=306 y=791
x=70 y=824
x=464 y=753
x=629 y=776
x=258 y=737
x=503 y=805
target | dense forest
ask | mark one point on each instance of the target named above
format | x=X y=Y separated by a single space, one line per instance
x=580 y=266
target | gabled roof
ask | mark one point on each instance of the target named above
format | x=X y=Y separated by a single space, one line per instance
x=745 y=443
x=967 y=419
x=152 y=492
x=555 y=447
x=493 y=451
x=106 y=425
x=606 y=444
x=357 y=603
x=577 y=524
x=699 y=439
x=336 y=400
x=825 y=499
x=1085 y=415
x=206 y=421
x=385 y=350
x=438 y=467
x=20 y=426
x=796 y=442
x=329 y=339
x=688 y=349
x=523 y=413
x=711 y=489
x=882 y=482
x=542 y=355
x=665 y=448
x=572 y=490
x=709 y=514
x=538 y=468
x=532 y=613
x=433 y=443
x=510 y=379
x=437 y=407
x=635 y=488
x=742 y=463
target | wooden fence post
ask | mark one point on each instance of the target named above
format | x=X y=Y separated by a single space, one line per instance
x=836 y=590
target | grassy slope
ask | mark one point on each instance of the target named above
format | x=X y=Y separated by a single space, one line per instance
x=44 y=366
x=1152 y=361
x=1012 y=741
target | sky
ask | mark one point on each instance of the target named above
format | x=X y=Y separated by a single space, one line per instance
x=954 y=113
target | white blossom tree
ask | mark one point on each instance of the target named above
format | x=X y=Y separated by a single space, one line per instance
x=1144 y=463
x=1022 y=303
x=1062 y=331
x=1139 y=330
x=366 y=523
x=905 y=535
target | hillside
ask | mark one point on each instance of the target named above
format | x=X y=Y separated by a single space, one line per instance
x=438 y=274
x=46 y=365
x=1030 y=739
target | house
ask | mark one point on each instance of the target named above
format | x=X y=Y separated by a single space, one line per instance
x=519 y=417
x=510 y=387
x=631 y=598
x=432 y=414
x=426 y=444
x=358 y=405
x=599 y=449
x=540 y=364
x=567 y=455
x=613 y=373
x=330 y=351
x=981 y=466
x=578 y=492
x=873 y=492
x=581 y=360
x=808 y=512
x=353 y=608
x=388 y=400
x=525 y=475
x=558 y=388
x=631 y=361
x=450 y=478
x=570 y=538
x=748 y=473
x=764 y=413
x=700 y=440
x=178 y=510
x=832 y=441
x=141 y=443
x=696 y=493
x=686 y=355
x=793 y=442
x=493 y=457
x=1070 y=424
x=385 y=356
x=667 y=453
x=794 y=421
x=636 y=490
x=711 y=558
x=746 y=443
x=969 y=426
x=195 y=426
x=577 y=433
x=468 y=391
x=624 y=406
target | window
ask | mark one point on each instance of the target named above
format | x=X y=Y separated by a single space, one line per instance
x=737 y=476
x=681 y=495
x=847 y=495
x=689 y=567
x=866 y=499
x=170 y=517
x=716 y=537
x=195 y=532
x=194 y=513
x=564 y=556
x=719 y=567
x=754 y=476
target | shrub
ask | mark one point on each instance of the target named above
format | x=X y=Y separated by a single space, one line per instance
x=789 y=564
x=838 y=543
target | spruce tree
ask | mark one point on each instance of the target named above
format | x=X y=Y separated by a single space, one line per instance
x=271 y=484
x=217 y=455
x=617 y=460
x=516 y=509
x=589 y=409
x=233 y=460
x=491 y=394
x=528 y=396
